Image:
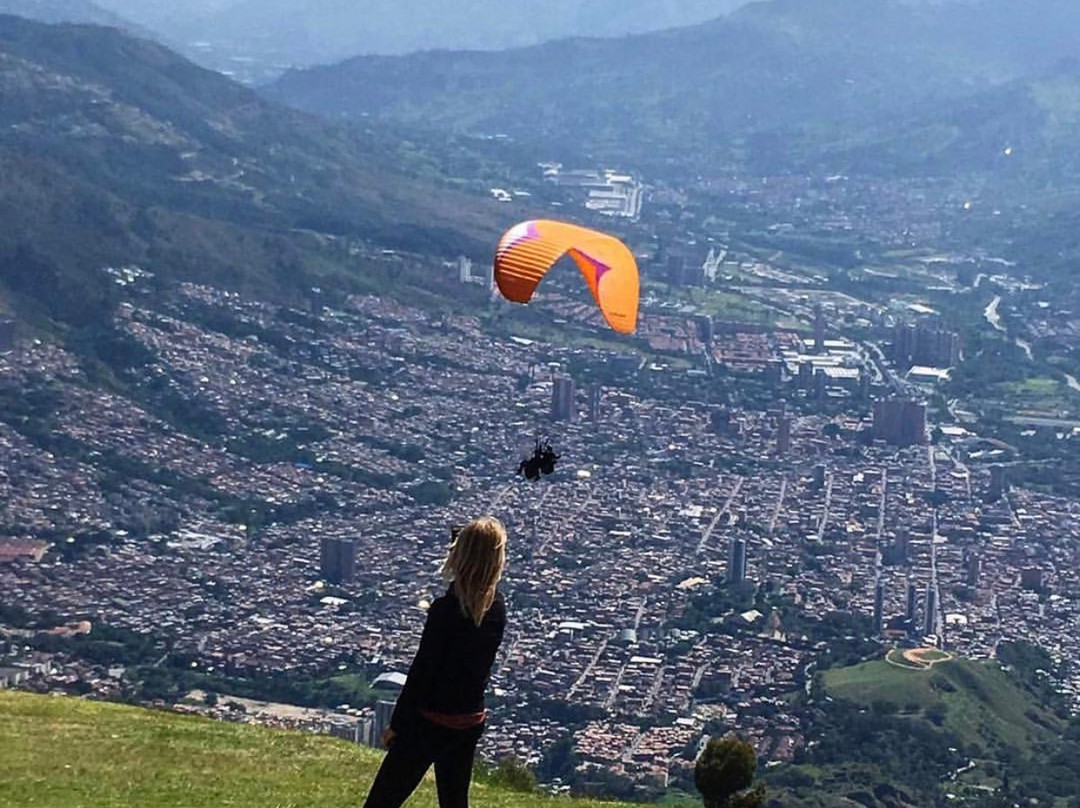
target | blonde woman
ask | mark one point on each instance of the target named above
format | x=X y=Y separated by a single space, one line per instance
x=440 y=713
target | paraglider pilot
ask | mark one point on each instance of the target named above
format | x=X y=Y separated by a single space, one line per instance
x=542 y=461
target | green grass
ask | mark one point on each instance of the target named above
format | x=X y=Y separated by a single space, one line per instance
x=1041 y=393
x=980 y=702
x=62 y=752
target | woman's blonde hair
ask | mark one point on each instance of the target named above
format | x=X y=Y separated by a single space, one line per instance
x=475 y=564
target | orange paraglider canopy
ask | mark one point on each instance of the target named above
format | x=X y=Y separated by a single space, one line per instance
x=528 y=250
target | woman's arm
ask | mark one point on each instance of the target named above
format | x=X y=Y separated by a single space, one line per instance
x=423 y=668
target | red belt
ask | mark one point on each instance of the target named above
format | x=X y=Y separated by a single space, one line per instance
x=455 y=720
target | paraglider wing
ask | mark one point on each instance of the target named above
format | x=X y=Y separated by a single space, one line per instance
x=528 y=250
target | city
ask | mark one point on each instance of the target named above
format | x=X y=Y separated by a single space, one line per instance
x=307 y=534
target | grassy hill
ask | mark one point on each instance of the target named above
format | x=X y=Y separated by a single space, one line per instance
x=69 y=753
x=959 y=733
x=977 y=701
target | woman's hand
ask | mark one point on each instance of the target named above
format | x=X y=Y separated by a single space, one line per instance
x=388 y=736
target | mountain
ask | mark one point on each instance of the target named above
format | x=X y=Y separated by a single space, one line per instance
x=1013 y=131
x=54 y=11
x=116 y=151
x=304 y=32
x=61 y=752
x=772 y=84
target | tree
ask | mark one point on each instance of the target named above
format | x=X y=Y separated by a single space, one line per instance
x=724 y=774
x=514 y=775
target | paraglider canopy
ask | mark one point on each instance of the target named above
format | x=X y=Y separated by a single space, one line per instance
x=528 y=250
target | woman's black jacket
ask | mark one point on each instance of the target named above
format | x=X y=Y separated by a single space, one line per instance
x=453 y=663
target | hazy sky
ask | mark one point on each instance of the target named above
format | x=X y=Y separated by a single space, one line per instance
x=322 y=30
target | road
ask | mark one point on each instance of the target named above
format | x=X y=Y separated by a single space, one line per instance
x=934 y=541
x=727 y=506
x=825 y=511
x=881 y=518
x=779 y=506
x=588 y=669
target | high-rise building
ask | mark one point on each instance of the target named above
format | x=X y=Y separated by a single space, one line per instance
x=384 y=711
x=900 y=421
x=821 y=384
x=705 y=328
x=720 y=420
x=594 y=401
x=464 y=269
x=737 y=561
x=925 y=345
x=819 y=475
x=1031 y=578
x=879 y=606
x=562 y=399
x=806 y=375
x=337 y=560
x=999 y=482
x=912 y=611
x=931 y=615
x=467 y=273
x=783 y=435
x=819 y=329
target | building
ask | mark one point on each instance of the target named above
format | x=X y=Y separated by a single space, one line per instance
x=713 y=261
x=464 y=269
x=900 y=421
x=1031 y=578
x=705 y=329
x=737 y=561
x=912 y=611
x=467 y=273
x=720 y=420
x=783 y=435
x=819 y=476
x=353 y=731
x=925 y=345
x=864 y=386
x=562 y=399
x=13 y=677
x=999 y=482
x=594 y=402
x=337 y=560
x=821 y=384
x=930 y=615
x=384 y=711
x=897 y=552
x=806 y=375
x=819 y=329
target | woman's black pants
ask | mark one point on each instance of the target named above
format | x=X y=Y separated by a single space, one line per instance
x=413 y=751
